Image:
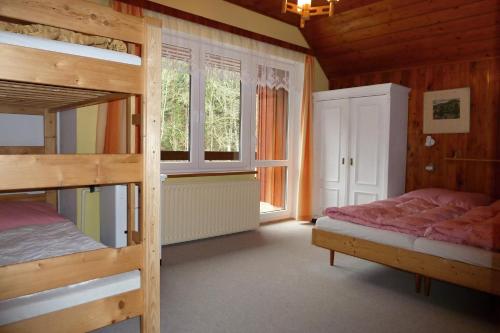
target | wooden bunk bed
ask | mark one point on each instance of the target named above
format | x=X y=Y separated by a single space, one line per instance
x=42 y=82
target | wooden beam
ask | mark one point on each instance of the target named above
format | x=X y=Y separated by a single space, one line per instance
x=98 y=100
x=83 y=318
x=159 y=8
x=52 y=68
x=50 y=139
x=150 y=191
x=16 y=109
x=19 y=172
x=467 y=275
x=21 y=150
x=80 y=16
x=34 y=276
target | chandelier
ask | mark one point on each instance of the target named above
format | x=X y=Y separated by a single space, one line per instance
x=305 y=10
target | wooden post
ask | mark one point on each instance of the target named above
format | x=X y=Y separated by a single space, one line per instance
x=50 y=137
x=130 y=187
x=418 y=282
x=150 y=194
x=332 y=257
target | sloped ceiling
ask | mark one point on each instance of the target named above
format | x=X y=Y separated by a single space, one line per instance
x=375 y=35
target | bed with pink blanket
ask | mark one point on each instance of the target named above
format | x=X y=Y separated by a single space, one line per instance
x=461 y=228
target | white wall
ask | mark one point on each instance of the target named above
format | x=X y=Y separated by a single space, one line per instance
x=21 y=130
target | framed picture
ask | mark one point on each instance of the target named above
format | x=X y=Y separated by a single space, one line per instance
x=447 y=111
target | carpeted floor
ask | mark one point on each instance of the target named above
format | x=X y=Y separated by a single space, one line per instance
x=274 y=280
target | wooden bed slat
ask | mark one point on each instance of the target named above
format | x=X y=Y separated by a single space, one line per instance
x=31 y=277
x=65 y=70
x=79 y=16
x=85 y=317
x=475 y=277
x=19 y=172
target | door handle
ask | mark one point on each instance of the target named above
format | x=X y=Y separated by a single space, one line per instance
x=351 y=161
x=343 y=160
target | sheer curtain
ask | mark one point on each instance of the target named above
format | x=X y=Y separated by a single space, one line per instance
x=272 y=124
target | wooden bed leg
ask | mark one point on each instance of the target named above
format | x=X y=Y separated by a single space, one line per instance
x=427 y=286
x=332 y=257
x=418 y=282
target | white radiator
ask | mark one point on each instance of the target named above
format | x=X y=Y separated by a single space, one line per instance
x=207 y=209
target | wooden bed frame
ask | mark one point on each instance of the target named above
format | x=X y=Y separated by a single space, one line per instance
x=423 y=265
x=81 y=79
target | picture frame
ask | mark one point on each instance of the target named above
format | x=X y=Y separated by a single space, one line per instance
x=447 y=111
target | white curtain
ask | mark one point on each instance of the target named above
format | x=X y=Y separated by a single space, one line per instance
x=227 y=42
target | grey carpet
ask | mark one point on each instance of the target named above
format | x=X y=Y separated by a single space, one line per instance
x=274 y=280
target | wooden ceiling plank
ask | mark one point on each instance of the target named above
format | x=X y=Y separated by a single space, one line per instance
x=456 y=27
x=463 y=8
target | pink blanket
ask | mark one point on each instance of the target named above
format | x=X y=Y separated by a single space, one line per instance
x=412 y=213
x=478 y=227
x=16 y=214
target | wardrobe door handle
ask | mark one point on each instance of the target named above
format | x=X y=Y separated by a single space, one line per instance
x=351 y=161
x=343 y=160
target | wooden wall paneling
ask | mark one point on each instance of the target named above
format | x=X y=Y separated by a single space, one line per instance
x=483 y=76
x=150 y=191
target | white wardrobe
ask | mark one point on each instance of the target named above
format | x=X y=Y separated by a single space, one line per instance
x=359 y=145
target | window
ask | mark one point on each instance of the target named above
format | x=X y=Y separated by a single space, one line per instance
x=271 y=136
x=225 y=109
x=176 y=103
x=222 y=108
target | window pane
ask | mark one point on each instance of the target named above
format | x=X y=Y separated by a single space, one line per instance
x=175 y=103
x=272 y=188
x=222 y=108
x=271 y=114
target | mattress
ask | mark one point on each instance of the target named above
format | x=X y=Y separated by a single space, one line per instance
x=463 y=253
x=16 y=39
x=20 y=308
x=35 y=242
x=386 y=237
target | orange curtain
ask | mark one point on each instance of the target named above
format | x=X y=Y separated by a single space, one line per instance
x=115 y=129
x=304 y=202
x=272 y=120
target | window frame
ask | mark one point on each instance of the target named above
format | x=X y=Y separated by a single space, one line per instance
x=250 y=61
x=293 y=131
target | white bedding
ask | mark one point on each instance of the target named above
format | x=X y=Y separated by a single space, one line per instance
x=462 y=253
x=68 y=48
x=44 y=302
x=360 y=231
x=36 y=242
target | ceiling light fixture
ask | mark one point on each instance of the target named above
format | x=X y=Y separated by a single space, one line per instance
x=305 y=10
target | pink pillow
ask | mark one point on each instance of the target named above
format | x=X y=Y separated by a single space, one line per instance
x=16 y=214
x=443 y=197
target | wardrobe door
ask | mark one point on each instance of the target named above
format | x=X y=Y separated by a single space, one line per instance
x=331 y=136
x=368 y=148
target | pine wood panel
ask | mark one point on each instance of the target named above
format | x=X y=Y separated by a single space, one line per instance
x=85 y=317
x=66 y=70
x=476 y=277
x=483 y=77
x=34 y=276
x=18 y=172
x=368 y=36
x=150 y=191
x=80 y=16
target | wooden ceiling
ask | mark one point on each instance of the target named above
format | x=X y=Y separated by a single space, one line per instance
x=376 y=35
